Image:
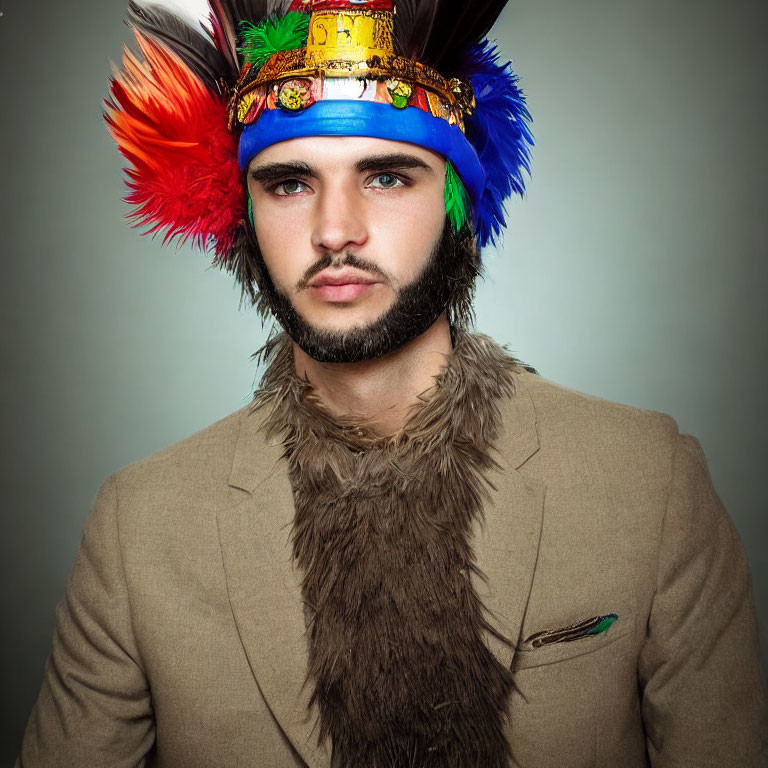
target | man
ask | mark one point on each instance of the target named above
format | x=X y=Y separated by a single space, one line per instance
x=412 y=550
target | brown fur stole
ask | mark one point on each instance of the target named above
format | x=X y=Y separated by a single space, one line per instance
x=401 y=673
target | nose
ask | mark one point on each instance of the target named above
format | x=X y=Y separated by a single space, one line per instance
x=339 y=219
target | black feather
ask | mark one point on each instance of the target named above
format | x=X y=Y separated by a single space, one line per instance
x=213 y=57
x=226 y=17
x=254 y=11
x=234 y=12
x=439 y=32
x=413 y=21
x=194 y=48
x=223 y=24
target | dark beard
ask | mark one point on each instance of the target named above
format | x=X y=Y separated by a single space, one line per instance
x=445 y=284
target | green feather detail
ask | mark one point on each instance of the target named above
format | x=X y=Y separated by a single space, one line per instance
x=604 y=624
x=250 y=211
x=456 y=198
x=273 y=34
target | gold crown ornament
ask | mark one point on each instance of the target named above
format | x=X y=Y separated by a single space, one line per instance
x=345 y=52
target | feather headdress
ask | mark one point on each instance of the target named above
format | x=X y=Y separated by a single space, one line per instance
x=196 y=103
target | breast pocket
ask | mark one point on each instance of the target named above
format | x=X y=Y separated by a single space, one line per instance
x=525 y=658
x=568 y=696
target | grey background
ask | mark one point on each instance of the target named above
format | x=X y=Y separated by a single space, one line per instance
x=635 y=269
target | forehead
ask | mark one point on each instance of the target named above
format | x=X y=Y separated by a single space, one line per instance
x=340 y=152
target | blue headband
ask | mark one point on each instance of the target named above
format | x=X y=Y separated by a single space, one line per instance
x=367 y=118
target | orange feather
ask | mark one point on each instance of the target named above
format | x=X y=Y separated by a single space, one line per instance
x=184 y=179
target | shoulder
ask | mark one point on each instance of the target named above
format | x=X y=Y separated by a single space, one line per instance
x=196 y=469
x=608 y=459
x=569 y=420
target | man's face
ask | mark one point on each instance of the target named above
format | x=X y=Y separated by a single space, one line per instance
x=348 y=229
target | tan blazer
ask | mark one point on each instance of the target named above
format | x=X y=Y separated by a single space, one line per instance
x=181 y=639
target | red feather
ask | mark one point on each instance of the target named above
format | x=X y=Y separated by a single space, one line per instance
x=185 y=181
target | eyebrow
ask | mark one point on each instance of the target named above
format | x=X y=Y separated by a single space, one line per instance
x=390 y=162
x=271 y=172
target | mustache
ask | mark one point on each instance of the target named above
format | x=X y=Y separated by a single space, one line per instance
x=341 y=260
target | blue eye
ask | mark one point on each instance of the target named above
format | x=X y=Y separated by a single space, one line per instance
x=386 y=181
x=289 y=187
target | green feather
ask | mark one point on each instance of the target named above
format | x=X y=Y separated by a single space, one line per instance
x=273 y=34
x=456 y=198
x=604 y=624
x=250 y=211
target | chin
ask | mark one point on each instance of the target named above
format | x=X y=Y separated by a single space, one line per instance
x=340 y=319
x=340 y=330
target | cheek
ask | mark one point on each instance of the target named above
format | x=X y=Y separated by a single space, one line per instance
x=409 y=232
x=280 y=244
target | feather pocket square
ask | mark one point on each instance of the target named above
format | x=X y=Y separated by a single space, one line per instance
x=587 y=628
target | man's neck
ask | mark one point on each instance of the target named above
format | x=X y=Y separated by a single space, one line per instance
x=381 y=392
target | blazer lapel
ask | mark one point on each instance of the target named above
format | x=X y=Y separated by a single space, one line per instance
x=506 y=541
x=264 y=588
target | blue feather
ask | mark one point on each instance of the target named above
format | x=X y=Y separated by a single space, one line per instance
x=499 y=130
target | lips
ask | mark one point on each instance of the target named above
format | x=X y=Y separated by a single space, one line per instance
x=342 y=286
x=343 y=277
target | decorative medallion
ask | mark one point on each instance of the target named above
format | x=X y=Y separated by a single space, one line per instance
x=296 y=94
x=399 y=92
